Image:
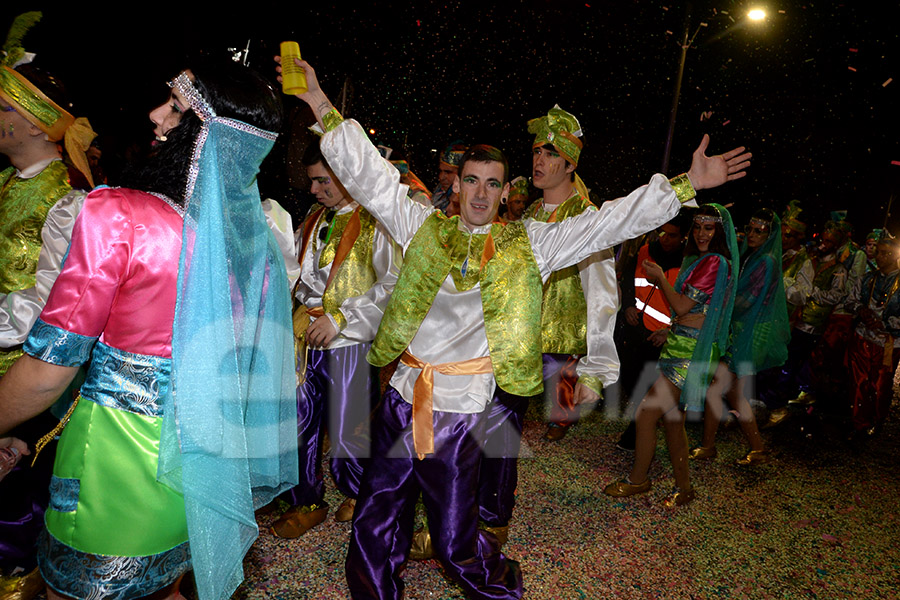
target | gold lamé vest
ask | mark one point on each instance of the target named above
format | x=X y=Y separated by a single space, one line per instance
x=24 y=204
x=510 y=284
x=790 y=271
x=564 y=315
x=814 y=313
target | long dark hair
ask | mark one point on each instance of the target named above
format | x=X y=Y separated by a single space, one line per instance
x=718 y=244
x=235 y=92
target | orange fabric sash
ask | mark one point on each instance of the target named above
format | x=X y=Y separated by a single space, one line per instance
x=423 y=402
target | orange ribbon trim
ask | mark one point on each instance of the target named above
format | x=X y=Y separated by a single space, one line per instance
x=423 y=401
x=348 y=238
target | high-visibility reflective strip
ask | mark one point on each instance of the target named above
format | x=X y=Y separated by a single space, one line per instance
x=662 y=318
x=642 y=282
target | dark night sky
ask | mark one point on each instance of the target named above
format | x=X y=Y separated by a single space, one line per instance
x=806 y=92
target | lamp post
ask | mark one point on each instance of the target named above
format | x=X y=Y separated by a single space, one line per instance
x=687 y=42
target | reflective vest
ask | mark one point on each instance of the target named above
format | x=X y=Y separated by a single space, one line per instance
x=648 y=298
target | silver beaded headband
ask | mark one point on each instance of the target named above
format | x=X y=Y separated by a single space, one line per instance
x=701 y=219
x=198 y=103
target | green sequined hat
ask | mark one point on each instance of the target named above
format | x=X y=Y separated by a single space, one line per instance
x=21 y=94
x=453 y=152
x=561 y=130
x=791 y=217
x=518 y=187
x=884 y=237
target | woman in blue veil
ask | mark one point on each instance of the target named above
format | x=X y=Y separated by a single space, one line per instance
x=758 y=340
x=701 y=302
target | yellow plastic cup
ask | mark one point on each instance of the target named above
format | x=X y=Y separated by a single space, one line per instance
x=293 y=79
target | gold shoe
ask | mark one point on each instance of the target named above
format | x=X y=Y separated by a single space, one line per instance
x=556 y=432
x=805 y=399
x=297 y=520
x=777 y=417
x=755 y=457
x=21 y=587
x=501 y=533
x=623 y=488
x=421 y=549
x=345 y=510
x=679 y=498
x=703 y=453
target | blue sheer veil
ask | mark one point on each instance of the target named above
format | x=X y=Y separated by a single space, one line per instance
x=718 y=317
x=229 y=433
x=760 y=326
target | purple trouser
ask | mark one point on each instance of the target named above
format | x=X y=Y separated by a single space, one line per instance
x=24 y=496
x=340 y=389
x=499 y=468
x=448 y=479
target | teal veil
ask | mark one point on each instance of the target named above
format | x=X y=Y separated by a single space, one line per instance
x=229 y=434
x=718 y=316
x=760 y=330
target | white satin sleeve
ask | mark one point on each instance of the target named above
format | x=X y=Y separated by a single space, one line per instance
x=363 y=313
x=601 y=293
x=19 y=310
x=281 y=224
x=568 y=242
x=372 y=181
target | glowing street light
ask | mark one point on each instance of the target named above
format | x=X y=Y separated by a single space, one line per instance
x=756 y=15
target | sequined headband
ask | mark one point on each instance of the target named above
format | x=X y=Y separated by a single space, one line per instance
x=761 y=223
x=703 y=219
x=198 y=103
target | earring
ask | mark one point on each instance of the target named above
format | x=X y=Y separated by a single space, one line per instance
x=503 y=200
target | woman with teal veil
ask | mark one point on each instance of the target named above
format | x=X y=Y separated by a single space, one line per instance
x=701 y=301
x=759 y=336
x=175 y=291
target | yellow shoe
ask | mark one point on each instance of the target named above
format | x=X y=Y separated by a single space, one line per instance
x=556 y=432
x=21 y=587
x=501 y=533
x=703 y=453
x=804 y=399
x=755 y=457
x=679 y=498
x=345 y=510
x=624 y=488
x=777 y=417
x=421 y=549
x=297 y=520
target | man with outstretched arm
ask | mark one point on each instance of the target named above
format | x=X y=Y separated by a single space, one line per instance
x=464 y=319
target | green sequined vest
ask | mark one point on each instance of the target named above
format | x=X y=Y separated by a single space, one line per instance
x=510 y=284
x=564 y=314
x=24 y=204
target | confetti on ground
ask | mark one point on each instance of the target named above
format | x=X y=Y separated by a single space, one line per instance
x=780 y=530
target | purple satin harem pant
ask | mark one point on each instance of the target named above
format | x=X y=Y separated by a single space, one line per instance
x=340 y=390
x=448 y=479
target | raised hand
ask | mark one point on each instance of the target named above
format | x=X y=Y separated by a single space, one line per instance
x=712 y=171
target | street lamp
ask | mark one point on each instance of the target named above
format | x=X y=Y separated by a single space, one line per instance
x=756 y=15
